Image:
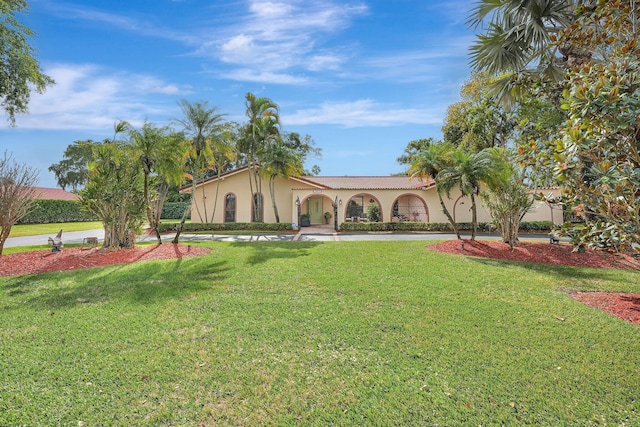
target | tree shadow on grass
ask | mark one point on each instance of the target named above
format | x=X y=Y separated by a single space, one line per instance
x=561 y=271
x=261 y=252
x=137 y=283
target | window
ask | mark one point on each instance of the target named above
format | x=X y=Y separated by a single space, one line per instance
x=230 y=208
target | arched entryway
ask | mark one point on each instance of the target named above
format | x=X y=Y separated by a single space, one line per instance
x=316 y=208
x=410 y=208
x=363 y=207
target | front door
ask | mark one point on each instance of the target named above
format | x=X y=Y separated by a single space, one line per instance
x=314 y=205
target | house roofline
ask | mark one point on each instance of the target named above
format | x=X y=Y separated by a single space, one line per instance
x=187 y=188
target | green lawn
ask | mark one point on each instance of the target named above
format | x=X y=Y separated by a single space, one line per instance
x=338 y=333
x=53 y=228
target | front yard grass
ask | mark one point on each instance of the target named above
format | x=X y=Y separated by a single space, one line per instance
x=20 y=230
x=338 y=333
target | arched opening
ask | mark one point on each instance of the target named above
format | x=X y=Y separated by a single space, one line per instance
x=410 y=208
x=318 y=209
x=462 y=209
x=230 y=208
x=363 y=207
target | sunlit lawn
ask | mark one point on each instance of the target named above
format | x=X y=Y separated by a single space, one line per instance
x=339 y=333
x=52 y=228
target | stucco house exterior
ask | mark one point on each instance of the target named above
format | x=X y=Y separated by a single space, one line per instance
x=399 y=198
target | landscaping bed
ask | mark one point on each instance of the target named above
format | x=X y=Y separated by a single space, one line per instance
x=75 y=258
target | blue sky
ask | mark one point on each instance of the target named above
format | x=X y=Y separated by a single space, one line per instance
x=362 y=78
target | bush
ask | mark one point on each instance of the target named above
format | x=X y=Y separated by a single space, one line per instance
x=533 y=226
x=227 y=226
x=173 y=210
x=373 y=212
x=46 y=211
x=537 y=226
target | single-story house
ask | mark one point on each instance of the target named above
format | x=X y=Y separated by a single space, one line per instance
x=399 y=198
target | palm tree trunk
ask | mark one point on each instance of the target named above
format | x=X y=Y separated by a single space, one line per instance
x=149 y=211
x=204 y=202
x=253 y=200
x=215 y=202
x=185 y=213
x=449 y=217
x=272 y=190
x=162 y=195
x=474 y=217
x=258 y=182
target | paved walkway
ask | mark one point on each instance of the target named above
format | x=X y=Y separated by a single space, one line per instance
x=316 y=233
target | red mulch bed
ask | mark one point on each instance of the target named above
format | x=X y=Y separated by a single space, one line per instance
x=76 y=258
x=623 y=305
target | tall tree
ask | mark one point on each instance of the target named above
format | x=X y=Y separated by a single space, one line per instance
x=413 y=149
x=72 y=171
x=17 y=191
x=19 y=70
x=161 y=154
x=591 y=49
x=115 y=191
x=280 y=161
x=200 y=123
x=478 y=121
x=428 y=163
x=468 y=172
x=303 y=146
x=599 y=154
x=262 y=128
x=519 y=40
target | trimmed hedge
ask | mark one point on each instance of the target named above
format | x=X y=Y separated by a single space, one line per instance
x=227 y=226
x=537 y=226
x=534 y=226
x=46 y=211
x=173 y=210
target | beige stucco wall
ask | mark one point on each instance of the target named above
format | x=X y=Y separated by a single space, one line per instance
x=238 y=184
x=287 y=191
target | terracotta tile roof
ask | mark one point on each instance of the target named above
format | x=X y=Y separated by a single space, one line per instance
x=54 y=193
x=368 y=182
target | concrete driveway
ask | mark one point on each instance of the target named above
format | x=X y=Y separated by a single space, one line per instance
x=318 y=233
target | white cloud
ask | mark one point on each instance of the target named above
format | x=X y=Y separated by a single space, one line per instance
x=249 y=75
x=90 y=97
x=277 y=36
x=361 y=113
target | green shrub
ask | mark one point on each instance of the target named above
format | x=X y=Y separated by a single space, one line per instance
x=227 y=226
x=537 y=226
x=46 y=211
x=373 y=212
x=173 y=210
x=532 y=226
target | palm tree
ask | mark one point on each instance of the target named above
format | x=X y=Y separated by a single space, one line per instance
x=283 y=161
x=161 y=154
x=262 y=128
x=200 y=123
x=427 y=163
x=467 y=172
x=521 y=40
